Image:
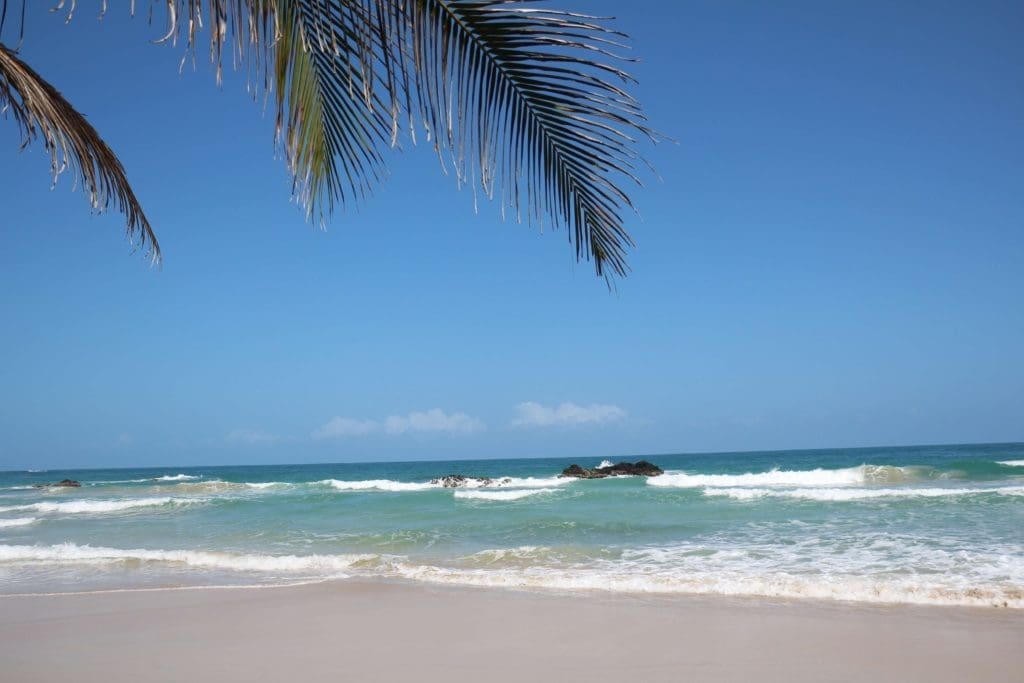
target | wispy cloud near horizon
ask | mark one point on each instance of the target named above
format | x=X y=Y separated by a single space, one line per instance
x=250 y=437
x=434 y=421
x=532 y=414
x=339 y=427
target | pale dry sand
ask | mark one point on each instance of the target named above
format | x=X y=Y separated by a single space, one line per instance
x=401 y=632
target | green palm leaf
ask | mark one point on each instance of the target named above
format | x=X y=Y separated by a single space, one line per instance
x=525 y=99
x=42 y=112
x=525 y=102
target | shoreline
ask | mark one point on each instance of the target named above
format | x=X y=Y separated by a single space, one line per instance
x=867 y=600
x=540 y=590
x=390 y=630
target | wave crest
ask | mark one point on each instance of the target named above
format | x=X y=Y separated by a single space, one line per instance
x=477 y=494
x=659 y=570
x=98 y=506
x=18 y=521
x=492 y=483
x=847 y=476
x=71 y=553
x=848 y=494
x=376 y=485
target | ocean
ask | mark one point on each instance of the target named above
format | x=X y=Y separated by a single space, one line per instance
x=926 y=525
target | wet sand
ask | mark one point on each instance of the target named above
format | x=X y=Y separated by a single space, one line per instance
x=347 y=631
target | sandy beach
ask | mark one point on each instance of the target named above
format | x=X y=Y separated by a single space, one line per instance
x=395 y=631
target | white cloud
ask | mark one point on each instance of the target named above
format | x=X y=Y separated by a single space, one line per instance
x=339 y=427
x=432 y=421
x=429 y=421
x=531 y=414
x=250 y=437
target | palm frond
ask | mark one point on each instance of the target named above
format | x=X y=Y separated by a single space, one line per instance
x=527 y=101
x=42 y=112
x=329 y=118
x=316 y=57
x=524 y=99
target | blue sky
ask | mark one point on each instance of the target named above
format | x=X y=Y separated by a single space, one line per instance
x=832 y=256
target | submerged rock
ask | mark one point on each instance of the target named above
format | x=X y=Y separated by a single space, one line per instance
x=62 y=482
x=454 y=481
x=641 y=468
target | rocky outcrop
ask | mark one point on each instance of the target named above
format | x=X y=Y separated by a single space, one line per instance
x=622 y=469
x=454 y=481
x=63 y=482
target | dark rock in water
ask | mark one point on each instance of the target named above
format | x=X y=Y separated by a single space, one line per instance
x=575 y=470
x=451 y=481
x=634 y=469
x=62 y=482
x=454 y=481
x=641 y=468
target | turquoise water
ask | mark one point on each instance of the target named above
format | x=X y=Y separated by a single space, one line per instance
x=936 y=524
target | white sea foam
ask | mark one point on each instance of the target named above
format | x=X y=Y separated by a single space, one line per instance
x=914 y=571
x=852 y=567
x=862 y=568
x=523 y=552
x=18 y=521
x=98 y=506
x=377 y=485
x=605 y=463
x=165 y=477
x=848 y=476
x=1012 y=463
x=221 y=486
x=71 y=553
x=777 y=585
x=518 y=483
x=207 y=486
x=848 y=494
x=478 y=494
x=469 y=483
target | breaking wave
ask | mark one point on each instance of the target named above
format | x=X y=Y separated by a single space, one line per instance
x=986 y=578
x=18 y=521
x=848 y=494
x=469 y=483
x=477 y=494
x=97 y=506
x=772 y=585
x=215 y=486
x=1012 y=463
x=849 y=476
x=71 y=553
x=377 y=485
x=143 y=480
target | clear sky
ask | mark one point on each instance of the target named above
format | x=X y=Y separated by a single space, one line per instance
x=833 y=256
